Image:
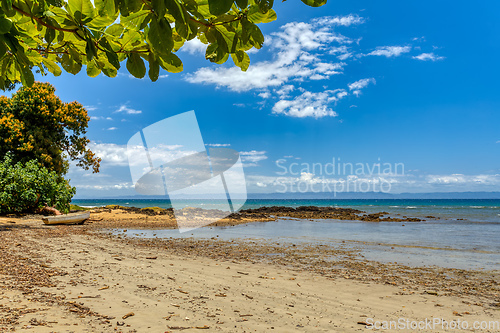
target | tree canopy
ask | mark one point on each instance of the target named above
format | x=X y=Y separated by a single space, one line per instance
x=45 y=35
x=30 y=187
x=36 y=125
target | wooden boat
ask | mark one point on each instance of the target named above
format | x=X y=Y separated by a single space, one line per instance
x=72 y=218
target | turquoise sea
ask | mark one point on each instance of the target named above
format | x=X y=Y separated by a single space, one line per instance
x=460 y=234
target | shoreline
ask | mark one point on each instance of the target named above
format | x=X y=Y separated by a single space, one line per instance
x=115 y=216
x=79 y=278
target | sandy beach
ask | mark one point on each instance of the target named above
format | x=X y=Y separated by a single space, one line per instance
x=81 y=279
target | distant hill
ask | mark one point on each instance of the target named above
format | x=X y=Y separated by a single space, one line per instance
x=342 y=195
x=375 y=195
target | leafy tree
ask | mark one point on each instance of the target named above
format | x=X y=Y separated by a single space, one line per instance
x=103 y=33
x=36 y=125
x=29 y=187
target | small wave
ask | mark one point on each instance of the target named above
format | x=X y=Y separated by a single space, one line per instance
x=88 y=206
x=477 y=206
x=410 y=207
x=394 y=206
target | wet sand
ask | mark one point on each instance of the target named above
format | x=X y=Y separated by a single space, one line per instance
x=81 y=279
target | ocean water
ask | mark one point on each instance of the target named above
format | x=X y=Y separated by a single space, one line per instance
x=461 y=234
x=474 y=210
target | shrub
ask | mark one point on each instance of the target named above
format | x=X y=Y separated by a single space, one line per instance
x=27 y=187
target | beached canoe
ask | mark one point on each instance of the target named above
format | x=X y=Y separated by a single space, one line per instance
x=72 y=218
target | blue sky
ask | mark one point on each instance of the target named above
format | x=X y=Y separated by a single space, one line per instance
x=414 y=83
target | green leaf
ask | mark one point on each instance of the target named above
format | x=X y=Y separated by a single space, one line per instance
x=242 y=3
x=5 y=25
x=135 y=65
x=82 y=10
x=160 y=36
x=27 y=77
x=175 y=9
x=7 y=7
x=90 y=49
x=154 y=68
x=216 y=54
x=178 y=42
x=3 y=49
x=241 y=59
x=105 y=7
x=52 y=66
x=115 y=30
x=159 y=7
x=57 y=3
x=50 y=34
x=110 y=54
x=134 y=19
x=178 y=12
x=314 y=3
x=92 y=69
x=102 y=21
x=129 y=38
x=70 y=65
x=251 y=33
x=219 y=7
x=109 y=71
x=223 y=59
x=146 y=20
x=211 y=52
x=255 y=16
x=264 y=5
x=129 y=6
x=221 y=41
x=171 y=63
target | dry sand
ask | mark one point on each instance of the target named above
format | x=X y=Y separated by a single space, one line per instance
x=72 y=279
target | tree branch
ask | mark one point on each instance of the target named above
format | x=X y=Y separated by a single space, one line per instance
x=39 y=20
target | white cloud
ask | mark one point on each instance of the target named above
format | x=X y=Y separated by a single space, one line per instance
x=90 y=107
x=125 y=109
x=218 y=144
x=285 y=90
x=265 y=94
x=390 y=51
x=395 y=183
x=340 y=20
x=194 y=46
x=428 y=56
x=356 y=87
x=251 y=158
x=297 y=46
x=100 y=118
x=120 y=186
x=310 y=104
x=118 y=155
x=163 y=76
x=301 y=52
x=112 y=128
x=460 y=179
